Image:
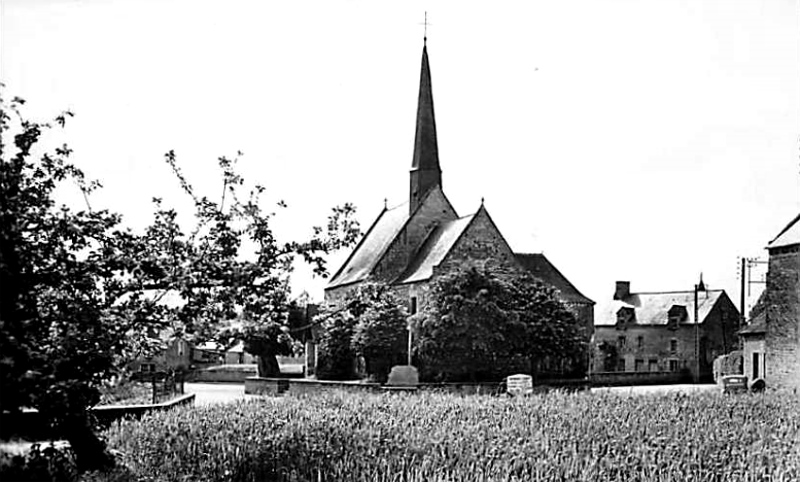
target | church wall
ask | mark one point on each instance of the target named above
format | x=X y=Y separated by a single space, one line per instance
x=435 y=210
x=783 y=316
x=481 y=244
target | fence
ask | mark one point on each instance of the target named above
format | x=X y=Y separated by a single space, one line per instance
x=164 y=385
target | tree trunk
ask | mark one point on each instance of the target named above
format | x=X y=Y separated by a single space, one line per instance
x=90 y=451
x=268 y=366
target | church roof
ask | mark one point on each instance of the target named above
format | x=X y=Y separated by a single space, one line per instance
x=434 y=250
x=370 y=249
x=653 y=308
x=788 y=237
x=540 y=267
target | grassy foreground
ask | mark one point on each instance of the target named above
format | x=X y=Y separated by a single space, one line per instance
x=591 y=437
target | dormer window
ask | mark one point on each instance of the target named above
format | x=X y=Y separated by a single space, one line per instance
x=676 y=315
x=625 y=316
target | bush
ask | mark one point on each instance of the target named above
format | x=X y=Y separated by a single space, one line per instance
x=556 y=436
x=39 y=463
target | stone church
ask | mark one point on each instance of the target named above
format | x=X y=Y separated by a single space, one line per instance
x=410 y=244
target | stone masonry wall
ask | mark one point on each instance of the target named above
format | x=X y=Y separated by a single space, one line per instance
x=783 y=316
x=481 y=244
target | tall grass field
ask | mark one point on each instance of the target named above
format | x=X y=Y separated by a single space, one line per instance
x=431 y=437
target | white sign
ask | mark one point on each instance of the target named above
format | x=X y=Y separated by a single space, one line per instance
x=519 y=384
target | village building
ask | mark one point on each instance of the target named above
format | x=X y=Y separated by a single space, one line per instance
x=662 y=333
x=753 y=348
x=772 y=340
x=409 y=245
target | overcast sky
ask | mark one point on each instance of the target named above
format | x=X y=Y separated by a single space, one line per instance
x=640 y=140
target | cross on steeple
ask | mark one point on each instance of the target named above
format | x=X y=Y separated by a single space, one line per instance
x=425 y=31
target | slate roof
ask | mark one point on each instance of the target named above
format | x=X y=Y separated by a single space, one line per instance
x=652 y=308
x=757 y=326
x=788 y=237
x=434 y=250
x=372 y=246
x=540 y=267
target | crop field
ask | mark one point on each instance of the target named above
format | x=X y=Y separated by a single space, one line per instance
x=431 y=437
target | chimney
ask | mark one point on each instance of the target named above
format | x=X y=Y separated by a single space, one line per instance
x=623 y=290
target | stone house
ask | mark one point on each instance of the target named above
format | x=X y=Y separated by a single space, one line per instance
x=772 y=341
x=753 y=352
x=657 y=332
x=408 y=245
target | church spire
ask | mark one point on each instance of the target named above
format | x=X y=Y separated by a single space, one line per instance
x=425 y=171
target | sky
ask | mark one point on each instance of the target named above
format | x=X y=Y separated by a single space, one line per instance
x=638 y=140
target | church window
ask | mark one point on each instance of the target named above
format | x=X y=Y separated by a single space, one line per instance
x=413 y=307
x=639 y=342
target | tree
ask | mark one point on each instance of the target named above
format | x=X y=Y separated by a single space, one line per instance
x=476 y=326
x=82 y=295
x=228 y=294
x=60 y=330
x=380 y=333
x=370 y=323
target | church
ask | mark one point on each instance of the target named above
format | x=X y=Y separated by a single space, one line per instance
x=408 y=245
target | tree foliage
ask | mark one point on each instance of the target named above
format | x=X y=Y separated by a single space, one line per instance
x=381 y=331
x=369 y=323
x=61 y=270
x=82 y=295
x=477 y=326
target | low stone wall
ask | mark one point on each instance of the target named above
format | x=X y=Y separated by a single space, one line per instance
x=298 y=386
x=602 y=379
x=31 y=425
x=237 y=373
x=222 y=374
x=109 y=413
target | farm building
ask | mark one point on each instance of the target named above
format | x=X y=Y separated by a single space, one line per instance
x=408 y=245
x=772 y=341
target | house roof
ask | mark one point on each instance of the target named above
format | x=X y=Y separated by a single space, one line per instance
x=757 y=326
x=434 y=250
x=372 y=246
x=790 y=235
x=540 y=267
x=653 y=308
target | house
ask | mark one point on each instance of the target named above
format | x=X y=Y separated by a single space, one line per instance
x=658 y=332
x=178 y=355
x=409 y=245
x=236 y=355
x=753 y=353
x=772 y=340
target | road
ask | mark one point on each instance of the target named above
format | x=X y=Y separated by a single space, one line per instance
x=648 y=389
x=216 y=393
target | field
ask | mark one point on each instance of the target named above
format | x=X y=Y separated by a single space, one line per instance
x=557 y=436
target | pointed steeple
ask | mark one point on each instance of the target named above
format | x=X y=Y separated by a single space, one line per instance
x=425 y=171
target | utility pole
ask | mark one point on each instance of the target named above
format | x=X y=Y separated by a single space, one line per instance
x=698 y=287
x=742 y=316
